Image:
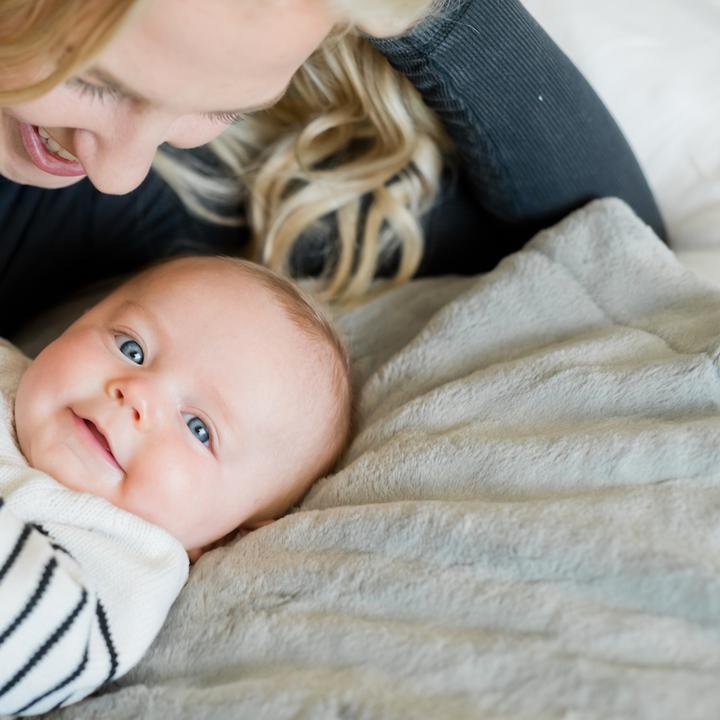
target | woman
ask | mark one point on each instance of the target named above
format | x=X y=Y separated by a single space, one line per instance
x=350 y=172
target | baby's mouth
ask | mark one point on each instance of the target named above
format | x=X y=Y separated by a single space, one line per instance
x=98 y=435
x=101 y=440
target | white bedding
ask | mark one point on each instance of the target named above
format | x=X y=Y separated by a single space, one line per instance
x=525 y=527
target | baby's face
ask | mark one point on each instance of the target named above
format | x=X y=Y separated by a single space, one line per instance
x=186 y=397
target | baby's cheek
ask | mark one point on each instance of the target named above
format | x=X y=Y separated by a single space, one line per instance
x=67 y=370
x=163 y=486
x=31 y=406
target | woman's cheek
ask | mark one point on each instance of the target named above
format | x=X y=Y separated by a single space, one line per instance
x=60 y=108
x=192 y=132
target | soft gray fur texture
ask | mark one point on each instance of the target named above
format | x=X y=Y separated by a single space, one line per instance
x=527 y=525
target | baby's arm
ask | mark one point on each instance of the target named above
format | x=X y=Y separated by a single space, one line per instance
x=68 y=622
x=53 y=637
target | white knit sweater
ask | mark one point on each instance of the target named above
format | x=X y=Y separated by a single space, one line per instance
x=84 y=586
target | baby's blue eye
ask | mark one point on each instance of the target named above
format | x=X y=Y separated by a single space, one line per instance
x=198 y=428
x=130 y=349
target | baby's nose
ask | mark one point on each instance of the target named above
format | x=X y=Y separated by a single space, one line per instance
x=133 y=396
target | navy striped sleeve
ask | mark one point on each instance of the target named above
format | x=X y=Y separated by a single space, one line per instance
x=55 y=641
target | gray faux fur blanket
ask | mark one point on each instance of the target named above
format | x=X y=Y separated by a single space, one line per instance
x=527 y=525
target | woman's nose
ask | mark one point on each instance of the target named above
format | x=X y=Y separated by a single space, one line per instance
x=117 y=156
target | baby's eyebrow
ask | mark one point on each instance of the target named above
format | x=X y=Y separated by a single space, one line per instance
x=132 y=306
x=155 y=332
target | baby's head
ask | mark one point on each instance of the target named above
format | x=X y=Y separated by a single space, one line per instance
x=203 y=395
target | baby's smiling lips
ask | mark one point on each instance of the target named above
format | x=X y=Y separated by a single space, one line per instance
x=100 y=437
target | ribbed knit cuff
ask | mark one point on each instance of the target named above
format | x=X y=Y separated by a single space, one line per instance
x=425 y=35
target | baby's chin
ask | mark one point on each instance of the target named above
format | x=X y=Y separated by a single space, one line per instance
x=70 y=464
x=105 y=487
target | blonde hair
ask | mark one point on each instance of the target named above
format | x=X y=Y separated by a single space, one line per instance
x=351 y=146
x=48 y=40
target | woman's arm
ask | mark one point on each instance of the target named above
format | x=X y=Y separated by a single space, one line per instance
x=534 y=140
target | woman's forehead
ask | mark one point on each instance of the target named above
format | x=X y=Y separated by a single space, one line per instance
x=214 y=55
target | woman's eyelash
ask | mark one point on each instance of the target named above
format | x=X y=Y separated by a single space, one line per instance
x=103 y=92
x=226 y=118
x=97 y=92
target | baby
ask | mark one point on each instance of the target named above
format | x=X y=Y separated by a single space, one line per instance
x=202 y=396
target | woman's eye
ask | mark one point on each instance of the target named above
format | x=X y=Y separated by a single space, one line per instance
x=94 y=92
x=130 y=349
x=99 y=92
x=198 y=428
x=225 y=118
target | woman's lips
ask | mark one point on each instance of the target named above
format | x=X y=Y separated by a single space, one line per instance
x=96 y=439
x=43 y=158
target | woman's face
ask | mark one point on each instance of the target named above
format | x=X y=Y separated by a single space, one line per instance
x=177 y=73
